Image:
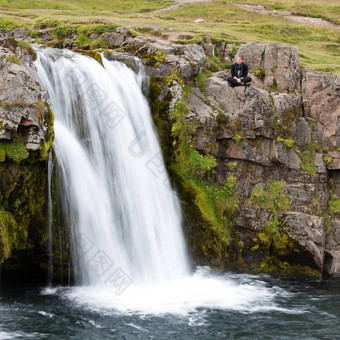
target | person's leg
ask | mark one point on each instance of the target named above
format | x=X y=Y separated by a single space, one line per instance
x=247 y=80
x=233 y=82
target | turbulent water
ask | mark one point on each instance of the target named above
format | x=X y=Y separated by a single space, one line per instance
x=132 y=274
x=290 y=309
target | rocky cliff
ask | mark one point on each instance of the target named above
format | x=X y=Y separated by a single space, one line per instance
x=257 y=169
x=26 y=135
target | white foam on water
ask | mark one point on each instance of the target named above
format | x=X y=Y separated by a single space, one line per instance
x=50 y=315
x=48 y=291
x=203 y=290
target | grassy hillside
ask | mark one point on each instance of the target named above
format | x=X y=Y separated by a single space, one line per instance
x=224 y=20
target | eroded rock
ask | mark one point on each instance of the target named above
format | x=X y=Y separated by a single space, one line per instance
x=23 y=109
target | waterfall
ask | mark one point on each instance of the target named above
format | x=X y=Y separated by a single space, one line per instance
x=123 y=216
x=50 y=220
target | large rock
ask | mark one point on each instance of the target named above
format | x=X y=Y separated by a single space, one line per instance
x=3 y=34
x=27 y=126
x=281 y=65
x=279 y=62
x=251 y=106
x=308 y=232
x=321 y=100
x=19 y=34
x=186 y=60
x=23 y=99
x=115 y=39
x=332 y=256
x=200 y=110
x=253 y=54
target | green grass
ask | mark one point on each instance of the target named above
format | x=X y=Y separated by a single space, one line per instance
x=326 y=9
x=319 y=48
x=13 y=59
x=97 y=5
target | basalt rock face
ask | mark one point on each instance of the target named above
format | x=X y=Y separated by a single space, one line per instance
x=26 y=135
x=279 y=141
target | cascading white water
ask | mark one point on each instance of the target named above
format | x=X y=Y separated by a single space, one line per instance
x=117 y=196
x=123 y=215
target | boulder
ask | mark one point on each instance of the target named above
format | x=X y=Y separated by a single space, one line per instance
x=114 y=39
x=281 y=65
x=332 y=256
x=19 y=34
x=70 y=44
x=226 y=50
x=183 y=66
x=252 y=106
x=308 y=232
x=209 y=49
x=3 y=34
x=321 y=100
x=200 y=110
x=253 y=54
x=23 y=99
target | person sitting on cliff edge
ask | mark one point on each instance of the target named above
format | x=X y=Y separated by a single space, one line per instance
x=239 y=73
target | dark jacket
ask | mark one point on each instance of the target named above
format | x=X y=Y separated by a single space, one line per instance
x=243 y=68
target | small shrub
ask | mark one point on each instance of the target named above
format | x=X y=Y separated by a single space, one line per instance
x=333 y=203
x=328 y=160
x=160 y=55
x=13 y=59
x=290 y=143
x=99 y=43
x=83 y=41
x=259 y=72
x=201 y=80
x=62 y=31
x=41 y=23
x=215 y=64
x=14 y=151
x=307 y=158
x=2 y=155
x=221 y=117
x=29 y=48
x=237 y=137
